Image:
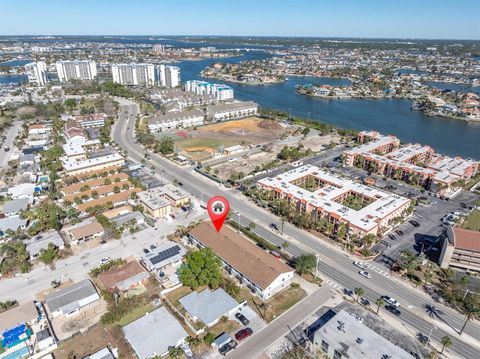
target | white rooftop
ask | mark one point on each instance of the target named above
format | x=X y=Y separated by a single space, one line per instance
x=154 y=333
x=70 y=164
x=353 y=339
x=384 y=203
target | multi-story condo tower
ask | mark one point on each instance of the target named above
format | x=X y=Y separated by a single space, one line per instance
x=37 y=73
x=158 y=49
x=168 y=76
x=134 y=74
x=76 y=70
x=221 y=92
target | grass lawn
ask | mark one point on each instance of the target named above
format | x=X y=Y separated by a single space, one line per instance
x=276 y=305
x=204 y=142
x=176 y=294
x=473 y=221
x=1 y=348
x=135 y=314
x=282 y=301
x=227 y=326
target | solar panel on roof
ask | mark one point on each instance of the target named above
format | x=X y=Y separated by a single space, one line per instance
x=163 y=255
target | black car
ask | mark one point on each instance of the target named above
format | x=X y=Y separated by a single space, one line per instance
x=392 y=237
x=225 y=348
x=414 y=223
x=242 y=319
x=463 y=205
x=399 y=232
x=385 y=243
x=392 y=309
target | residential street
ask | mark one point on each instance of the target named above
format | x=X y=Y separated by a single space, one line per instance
x=261 y=340
x=25 y=286
x=340 y=271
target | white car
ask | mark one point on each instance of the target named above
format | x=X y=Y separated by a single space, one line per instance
x=391 y=301
x=360 y=264
x=105 y=260
x=365 y=274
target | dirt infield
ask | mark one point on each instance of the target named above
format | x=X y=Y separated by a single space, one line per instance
x=250 y=124
x=199 y=149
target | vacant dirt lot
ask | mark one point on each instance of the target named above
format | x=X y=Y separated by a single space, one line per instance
x=212 y=138
x=92 y=341
x=86 y=318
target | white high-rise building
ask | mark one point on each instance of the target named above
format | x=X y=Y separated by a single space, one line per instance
x=168 y=76
x=134 y=74
x=39 y=49
x=76 y=70
x=221 y=92
x=37 y=73
x=158 y=48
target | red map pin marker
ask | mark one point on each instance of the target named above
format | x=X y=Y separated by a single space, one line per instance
x=218 y=210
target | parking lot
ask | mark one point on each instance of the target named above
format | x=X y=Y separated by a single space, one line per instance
x=428 y=214
x=425 y=237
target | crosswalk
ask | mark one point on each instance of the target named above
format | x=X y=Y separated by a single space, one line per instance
x=378 y=270
x=333 y=285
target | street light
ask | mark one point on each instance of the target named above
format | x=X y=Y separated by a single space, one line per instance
x=430 y=335
x=317 y=256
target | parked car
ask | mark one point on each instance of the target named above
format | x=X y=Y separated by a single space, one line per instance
x=392 y=236
x=414 y=223
x=243 y=333
x=225 y=348
x=105 y=260
x=243 y=319
x=360 y=264
x=364 y=301
x=385 y=243
x=392 y=309
x=399 y=232
x=276 y=254
x=391 y=301
x=365 y=274
x=146 y=251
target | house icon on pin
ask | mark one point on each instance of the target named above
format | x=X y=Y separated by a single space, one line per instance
x=218 y=208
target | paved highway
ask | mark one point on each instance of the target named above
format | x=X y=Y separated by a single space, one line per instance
x=335 y=265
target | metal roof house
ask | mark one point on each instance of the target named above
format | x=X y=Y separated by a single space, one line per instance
x=209 y=306
x=68 y=301
x=154 y=333
x=166 y=254
x=35 y=245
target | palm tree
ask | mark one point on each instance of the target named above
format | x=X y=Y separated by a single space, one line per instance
x=285 y=246
x=470 y=308
x=359 y=292
x=380 y=303
x=446 y=343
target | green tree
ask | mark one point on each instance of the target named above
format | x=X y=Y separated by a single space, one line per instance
x=175 y=352
x=471 y=309
x=48 y=255
x=446 y=342
x=231 y=288
x=305 y=263
x=408 y=261
x=380 y=302
x=70 y=103
x=201 y=268
x=14 y=257
x=359 y=292
x=209 y=338
x=165 y=146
